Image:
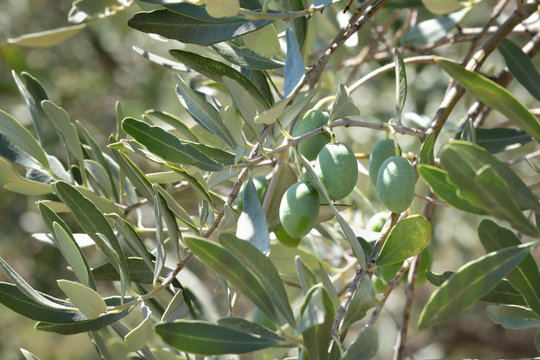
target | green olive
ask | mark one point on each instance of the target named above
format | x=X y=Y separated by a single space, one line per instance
x=395 y=184
x=311 y=121
x=285 y=238
x=382 y=150
x=337 y=168
x=299 y=209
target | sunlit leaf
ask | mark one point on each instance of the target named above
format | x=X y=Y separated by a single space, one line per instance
x=252 y=222
x=88 y=301
x=470 y=283
x=245 y=58
x=17 y=133
x=343 y=105
x=526 y=274
x=493 y=95
x=513 y=317
x=47 y=38
x=228 y=266
x=183 y=26
x=521 y=67
x=365 y=346
x=432 y=30
x=407 y=238
x=136 y=339
x=294 y=65
x=204 y=338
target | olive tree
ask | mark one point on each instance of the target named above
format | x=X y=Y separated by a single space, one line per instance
x=297 y=190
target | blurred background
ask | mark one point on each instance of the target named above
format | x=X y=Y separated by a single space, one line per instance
x=90 y=72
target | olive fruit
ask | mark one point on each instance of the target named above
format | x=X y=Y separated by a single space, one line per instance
x=260 y=183
x=337 y=168
x=285 y=238
x=382 y=150
x=299 y=209
x=311 y=121
x=376 y=222
x=395 y=184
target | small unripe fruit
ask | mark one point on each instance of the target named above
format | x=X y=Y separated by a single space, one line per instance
x=395 y=184
x=376 y=222
x=337 y=168
x=285 y=238
x=311 y=121
x=299 y=209
x=382 y=150
x=260 y=183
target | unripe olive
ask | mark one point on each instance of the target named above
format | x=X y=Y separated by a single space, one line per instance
x=376 y=222
x=299 y=209
x=382 y=150
x=337 y=168
x=395 y=184
x=260 y=183
x=311 y=121
x=285 y=238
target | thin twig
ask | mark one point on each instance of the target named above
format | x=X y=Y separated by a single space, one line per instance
x=360 y=273
x=409 y=293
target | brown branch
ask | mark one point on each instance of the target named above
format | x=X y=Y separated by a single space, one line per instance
x=456 y=92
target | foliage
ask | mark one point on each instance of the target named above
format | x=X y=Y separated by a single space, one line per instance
x=199 y=194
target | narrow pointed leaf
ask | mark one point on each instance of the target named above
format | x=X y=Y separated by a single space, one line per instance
x=299 y=24
x=227 y=265
x=503 y=293
x=136 y=339
x=139 y=271
x=437 y=180
x=177 y=308
x=181 y=129
x=73 y=255
x=363 y=299
x=306 y=276
x=317 y=317
x=28 y=355
x=185 y=27
x=100 y=175
x=88 y=301
x=94 y=224
x=202 y=111
x=16 y=300
x=31 y=104
x=513 y=317
x=497 y=140
x=469 y=284
x=432 y=30
x=294 y=64
x=81 y=326
x=521 y=67
x=28 y=291
x=263 y=268
x=401 y=82
x=343 y=105
x=17 y=133
x=167 y=146
x=427 y=151
x=407 y=238
x=244 y=57
x=216 y=70
x=13 y=153
x=204 y=338
x=16 y=183
x=47 y=38
x=494 y=96
x=475 y=158
x=364 y=347
x=248 y=327
x=252 y=222
x=67 y=130
x=526 y=276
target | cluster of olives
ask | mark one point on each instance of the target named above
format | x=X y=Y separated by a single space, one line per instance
x=335 y=165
